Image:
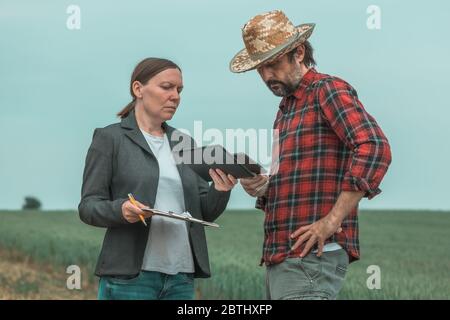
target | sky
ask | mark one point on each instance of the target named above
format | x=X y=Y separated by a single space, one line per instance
x=57 y=84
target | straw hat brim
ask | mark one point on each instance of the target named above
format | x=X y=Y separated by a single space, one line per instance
x=242 y=61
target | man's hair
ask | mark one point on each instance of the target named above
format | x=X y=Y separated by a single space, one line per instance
x=308 y=60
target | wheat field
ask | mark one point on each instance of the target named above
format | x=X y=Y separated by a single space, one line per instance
x=411 y=248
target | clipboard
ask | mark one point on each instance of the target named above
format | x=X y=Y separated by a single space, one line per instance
x=178 y=216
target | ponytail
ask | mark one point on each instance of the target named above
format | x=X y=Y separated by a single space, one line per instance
x=128 y=108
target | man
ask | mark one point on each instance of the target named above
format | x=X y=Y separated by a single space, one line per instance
x=331 y=153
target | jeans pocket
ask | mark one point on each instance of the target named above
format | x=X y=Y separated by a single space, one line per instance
x=186 y=278
x=341 y=270
x=311 y=266
x=123 y=280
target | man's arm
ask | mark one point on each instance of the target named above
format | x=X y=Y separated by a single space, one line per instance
x=358 y=130
x=327 y=226
x=346 y=116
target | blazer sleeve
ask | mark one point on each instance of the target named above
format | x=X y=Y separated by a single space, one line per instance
x=96 y=206
x=213 y=202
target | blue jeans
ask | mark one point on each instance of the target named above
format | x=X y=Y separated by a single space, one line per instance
x=148 y=285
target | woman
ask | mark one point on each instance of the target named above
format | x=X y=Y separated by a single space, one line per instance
x=134 y=156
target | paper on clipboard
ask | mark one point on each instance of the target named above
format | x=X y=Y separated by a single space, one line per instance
x=185 y=217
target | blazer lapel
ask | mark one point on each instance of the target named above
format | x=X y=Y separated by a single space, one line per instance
x=134 y=133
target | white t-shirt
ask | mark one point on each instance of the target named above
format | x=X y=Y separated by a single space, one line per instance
x=168 y=249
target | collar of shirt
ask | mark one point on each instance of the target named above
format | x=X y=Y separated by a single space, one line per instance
x=306 y=80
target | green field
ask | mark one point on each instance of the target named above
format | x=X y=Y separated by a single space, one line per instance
x=411 y=248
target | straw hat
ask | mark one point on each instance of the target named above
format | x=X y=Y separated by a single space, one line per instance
x=266 y=37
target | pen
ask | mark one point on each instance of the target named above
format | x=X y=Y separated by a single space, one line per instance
x=133 y=201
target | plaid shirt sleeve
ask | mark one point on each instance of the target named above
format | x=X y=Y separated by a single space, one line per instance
x=359 y=131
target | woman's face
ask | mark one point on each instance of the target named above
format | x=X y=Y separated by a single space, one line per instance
x=161 y=94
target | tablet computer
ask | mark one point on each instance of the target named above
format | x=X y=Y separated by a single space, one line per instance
x=201 y=159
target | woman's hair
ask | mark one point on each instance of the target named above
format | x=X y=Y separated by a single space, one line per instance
x=144 y=71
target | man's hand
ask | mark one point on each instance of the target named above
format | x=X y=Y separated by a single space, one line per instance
x=319 y=231
x=256 y=186
x=324 y=228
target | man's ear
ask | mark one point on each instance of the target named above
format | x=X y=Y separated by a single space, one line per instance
x=300 y=53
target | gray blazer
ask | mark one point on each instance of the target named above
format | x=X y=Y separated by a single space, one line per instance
x=119 y=161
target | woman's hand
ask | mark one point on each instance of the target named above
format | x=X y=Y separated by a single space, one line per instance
x=222 y=182
x=131 y=213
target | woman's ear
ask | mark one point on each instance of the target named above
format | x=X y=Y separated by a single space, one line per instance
x=137 y=89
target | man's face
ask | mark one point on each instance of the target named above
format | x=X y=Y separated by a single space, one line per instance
x=281 y=76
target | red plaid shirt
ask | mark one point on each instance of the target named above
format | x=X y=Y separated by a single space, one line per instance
x=328 y=143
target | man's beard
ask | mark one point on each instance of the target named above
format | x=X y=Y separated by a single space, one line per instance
x=285 y=89
x=281 y=89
